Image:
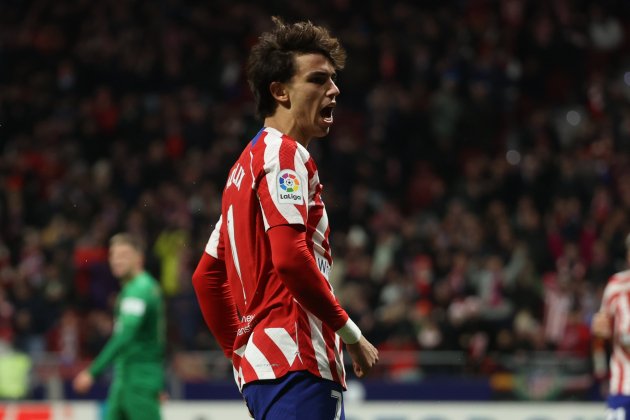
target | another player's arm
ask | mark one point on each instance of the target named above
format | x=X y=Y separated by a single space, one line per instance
x=298 y=270
x=601 y=326
x=131 y=313
x=214 y=293
x=602 y=330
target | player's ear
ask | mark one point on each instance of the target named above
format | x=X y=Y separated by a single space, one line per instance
x=279 y=92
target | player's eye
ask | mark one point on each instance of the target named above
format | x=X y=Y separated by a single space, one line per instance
x=320 y=80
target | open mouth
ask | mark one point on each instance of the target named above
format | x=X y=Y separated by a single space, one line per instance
x=327 y=113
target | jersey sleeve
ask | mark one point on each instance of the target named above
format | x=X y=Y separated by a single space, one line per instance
x=215 y=300
x=283 y=188
x=131 y=312
x=298 y=271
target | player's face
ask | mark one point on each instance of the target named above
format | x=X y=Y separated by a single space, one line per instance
x=312 y=93
x=124 y=260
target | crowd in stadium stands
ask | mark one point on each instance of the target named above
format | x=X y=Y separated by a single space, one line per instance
x=477 y=177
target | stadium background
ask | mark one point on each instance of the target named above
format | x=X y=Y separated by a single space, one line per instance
x=477 y=180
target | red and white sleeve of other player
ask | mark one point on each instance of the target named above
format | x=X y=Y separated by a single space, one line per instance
x=288 y=316
x=616 y=303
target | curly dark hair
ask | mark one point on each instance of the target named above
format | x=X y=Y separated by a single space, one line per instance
x=272 y=59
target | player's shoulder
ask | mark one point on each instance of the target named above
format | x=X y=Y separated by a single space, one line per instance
x=278 y=145
x=619 y=278
x=618 y=283
x=142 y=284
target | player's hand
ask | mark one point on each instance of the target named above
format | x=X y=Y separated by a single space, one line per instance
x=364 y=356
x=601 y=325
x=83 y=382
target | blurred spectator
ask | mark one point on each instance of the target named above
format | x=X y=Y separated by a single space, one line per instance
x=476 y=173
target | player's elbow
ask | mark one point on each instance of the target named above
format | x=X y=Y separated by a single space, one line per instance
x=293 y=278
x=197 y=280
x=286 y=269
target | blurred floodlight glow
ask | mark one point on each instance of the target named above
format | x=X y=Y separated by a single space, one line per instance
x=574 y=118
x=513 y=157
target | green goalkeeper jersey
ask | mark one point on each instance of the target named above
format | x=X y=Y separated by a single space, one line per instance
x=137 y=345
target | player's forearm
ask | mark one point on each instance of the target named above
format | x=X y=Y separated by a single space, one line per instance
x=116 y=343
x=298 y=270
x=215 y=300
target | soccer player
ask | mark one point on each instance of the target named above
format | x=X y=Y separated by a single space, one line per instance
x=612 y=322
x=262 y=282
x=137 y=345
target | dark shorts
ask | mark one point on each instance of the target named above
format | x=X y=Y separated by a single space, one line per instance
x=297 y=395
x=618 y=407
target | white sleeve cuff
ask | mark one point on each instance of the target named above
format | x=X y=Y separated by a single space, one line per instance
x=349 y=333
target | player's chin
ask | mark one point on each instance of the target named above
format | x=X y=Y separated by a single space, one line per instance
x=322 y=130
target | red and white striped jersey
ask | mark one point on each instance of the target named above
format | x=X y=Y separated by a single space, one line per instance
x=616 y=303
x=274 y=182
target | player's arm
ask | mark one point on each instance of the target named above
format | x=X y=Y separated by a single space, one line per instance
x=131 y=313
x=601 y=327
x=602 y=322
x=298 y=271
x=214 y=293
x=215 y=300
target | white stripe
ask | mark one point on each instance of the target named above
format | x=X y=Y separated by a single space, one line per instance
x=238 y=375
x=320 y=234
x=258 y=361
x=241 y=378
x=624 y=365
x=285 y=343
x=237 y=264
x=251 y=169
x=341 y=371
x=272 y=168
x=241 y=350
x=133 y=306
x=262 y=212
x=213 y=241
x=624 y=327
x=614 y=370
x=319 y=346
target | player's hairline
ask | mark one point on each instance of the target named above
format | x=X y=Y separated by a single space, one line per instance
x=125 y=238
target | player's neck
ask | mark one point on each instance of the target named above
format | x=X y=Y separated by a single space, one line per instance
x=132 y=275
x=287 y=126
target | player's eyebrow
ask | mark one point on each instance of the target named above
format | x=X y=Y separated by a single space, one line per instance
x=321 y=73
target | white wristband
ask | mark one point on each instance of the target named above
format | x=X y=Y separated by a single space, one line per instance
x=349 y=333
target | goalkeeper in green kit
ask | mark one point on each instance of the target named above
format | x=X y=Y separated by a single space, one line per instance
x=137 y=344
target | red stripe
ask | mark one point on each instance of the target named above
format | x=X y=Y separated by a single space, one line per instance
x=34 y=412
x=621 y=375
x=249 y=374
x=329 y=339
x=306 y=342
x=258 y=153
x=286 y=154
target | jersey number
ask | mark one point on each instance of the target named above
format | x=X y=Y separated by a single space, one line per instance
x=230 y=232
x=616 y=414
x=337 y=396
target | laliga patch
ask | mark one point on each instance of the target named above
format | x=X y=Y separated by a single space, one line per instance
x=289 y=188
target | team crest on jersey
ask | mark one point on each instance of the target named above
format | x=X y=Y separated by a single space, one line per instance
x=289 y=188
